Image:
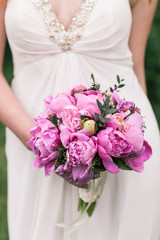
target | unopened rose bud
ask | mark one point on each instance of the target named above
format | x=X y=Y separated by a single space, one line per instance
x=91 y=125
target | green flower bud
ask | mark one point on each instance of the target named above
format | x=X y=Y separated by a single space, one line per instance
x=91 y=125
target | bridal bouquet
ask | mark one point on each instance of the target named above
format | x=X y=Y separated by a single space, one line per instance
x=88 y=131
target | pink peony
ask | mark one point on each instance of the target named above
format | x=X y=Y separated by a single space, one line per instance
x=134 y=132
x=135 y=161
x=71 y=117
x=87 y=101
x=57 y=105
x=134 y=120
x=77 y=89
x=44 y=143
x=115 y=98
x=91 y=92
x=81 y=150
x=46 y=112
x=112 y=143
x=128 y=143
x=117 y=121
x=141 y=151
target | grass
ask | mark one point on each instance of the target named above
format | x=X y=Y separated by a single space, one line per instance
x=3 y=187
x=8 y=71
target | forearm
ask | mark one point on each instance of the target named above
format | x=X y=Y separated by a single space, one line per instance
x=140 y=73
x=12 y=113
x=142 y=17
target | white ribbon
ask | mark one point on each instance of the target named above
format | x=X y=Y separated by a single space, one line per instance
x=90 y=195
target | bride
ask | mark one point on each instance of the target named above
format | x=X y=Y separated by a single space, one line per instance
x=57 y=44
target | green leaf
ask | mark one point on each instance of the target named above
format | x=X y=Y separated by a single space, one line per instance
x=54 y=120
x=106 y=104
x=104 y=120
x=97 y=87
x=100 y=106
x=101 y=125
x=84 y=205
x=60 y=119
x=107 y=120
x=121 y=164
x=91 y=209
x=118 y=79
x=93 y=78
x=83 y=117
x=111 y=89
x=80 y=204
x=121 y=85
x=97 y=116
x=111 y=111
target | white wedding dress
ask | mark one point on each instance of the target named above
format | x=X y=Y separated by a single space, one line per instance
x=48 y=60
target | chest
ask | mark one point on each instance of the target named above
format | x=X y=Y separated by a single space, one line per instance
x=65 y=10
x=88 y=22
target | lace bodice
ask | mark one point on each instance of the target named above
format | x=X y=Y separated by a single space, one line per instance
x=64 y=39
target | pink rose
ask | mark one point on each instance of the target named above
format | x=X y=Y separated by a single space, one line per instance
x=44 y=143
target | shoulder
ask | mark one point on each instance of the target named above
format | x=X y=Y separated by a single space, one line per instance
x=134 y=2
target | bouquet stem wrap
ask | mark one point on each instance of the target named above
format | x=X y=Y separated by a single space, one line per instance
x=87 y=200
x=88 y=197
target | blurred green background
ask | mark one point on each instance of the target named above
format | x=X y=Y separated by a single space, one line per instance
x=152 y=62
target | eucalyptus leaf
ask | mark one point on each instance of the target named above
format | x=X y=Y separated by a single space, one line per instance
x=111 y=111
x=107 y=120
x=118 y=79
x=97 y=116
x=106 y=104
x=111 y=89
x=97 y=87
x=121 y=85
x=100 y=106
x=54 y=120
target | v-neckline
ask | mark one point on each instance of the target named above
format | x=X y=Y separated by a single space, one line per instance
x=72 y=19
x=57 y=32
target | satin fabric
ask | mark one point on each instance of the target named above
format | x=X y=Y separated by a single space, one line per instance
x=129 y=207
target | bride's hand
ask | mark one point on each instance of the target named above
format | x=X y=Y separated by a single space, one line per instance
x=79 y=185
